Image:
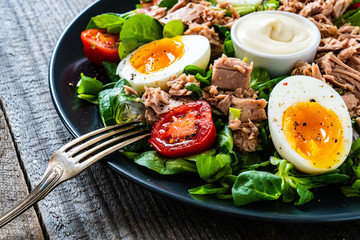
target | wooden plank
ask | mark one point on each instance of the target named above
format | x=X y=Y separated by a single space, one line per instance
x=13 y=189
x=99 y=204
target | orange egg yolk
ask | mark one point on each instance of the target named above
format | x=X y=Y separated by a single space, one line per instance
x=157 y=55
x=314 y=132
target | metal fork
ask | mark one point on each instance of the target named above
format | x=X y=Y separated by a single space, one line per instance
x=75 y=156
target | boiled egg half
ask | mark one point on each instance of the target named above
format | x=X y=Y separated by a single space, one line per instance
x=309 y=124
x=153 y=64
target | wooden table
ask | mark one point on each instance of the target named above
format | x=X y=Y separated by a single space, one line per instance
x=97 y=204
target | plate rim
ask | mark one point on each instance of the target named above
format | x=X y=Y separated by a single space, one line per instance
x=242 y=213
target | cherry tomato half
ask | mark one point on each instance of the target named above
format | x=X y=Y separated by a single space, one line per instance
x=185 y=130
x=99 y=45
x=354 y=6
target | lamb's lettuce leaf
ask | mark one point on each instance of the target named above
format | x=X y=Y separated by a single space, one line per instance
x=196 y=91
x=213 y=168
x=88 y=89
x=228 y=47
x=201 y=75
x=302 y=183
x=253 y=186
x=351 y=167
x=260 y=81
x=165 y=166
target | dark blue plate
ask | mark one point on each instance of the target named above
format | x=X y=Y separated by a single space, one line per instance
x=68 y=61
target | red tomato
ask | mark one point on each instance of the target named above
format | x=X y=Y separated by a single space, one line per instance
x=99 y=46
x=354 y=6
x=185 y=130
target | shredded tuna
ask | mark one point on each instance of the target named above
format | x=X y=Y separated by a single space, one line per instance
x=251 y=109
x=208 y=32
x=354 y=62
x=352 y=103
x=343 y=76
x=177 y=85
x=304 y=68
x=152 y=11
x=234 y=124
x=245 y=93
x=311 y=9
x=158 y=102
x=225 y=104
x=245 y=136
x=191 y=13
x=231 y=73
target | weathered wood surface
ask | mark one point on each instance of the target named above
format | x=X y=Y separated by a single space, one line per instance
x=14 y=188
x=97 y=204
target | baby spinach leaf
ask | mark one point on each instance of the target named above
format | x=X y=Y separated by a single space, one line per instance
x=196 y=91
x=173 y=28
x=110 y=69
x=138 y=30
x=253 y=186
x=112 y=22
x=168 y=3
x=165 y=166
x=352 y=17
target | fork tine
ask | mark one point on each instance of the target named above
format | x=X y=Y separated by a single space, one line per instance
x=61 y=167
x=99 y=138
x=110 y=150
x=107 y=143
x=91 y=134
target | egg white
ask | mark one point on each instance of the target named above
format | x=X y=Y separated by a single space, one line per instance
x=297 y=89
x=197 y=52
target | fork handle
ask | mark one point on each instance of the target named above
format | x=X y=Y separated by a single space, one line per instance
x=50 y=180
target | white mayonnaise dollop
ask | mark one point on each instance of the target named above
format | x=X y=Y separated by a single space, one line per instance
x=276 y=34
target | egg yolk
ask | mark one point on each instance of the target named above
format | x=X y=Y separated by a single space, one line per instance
x=314 y=132
x=157 y=55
